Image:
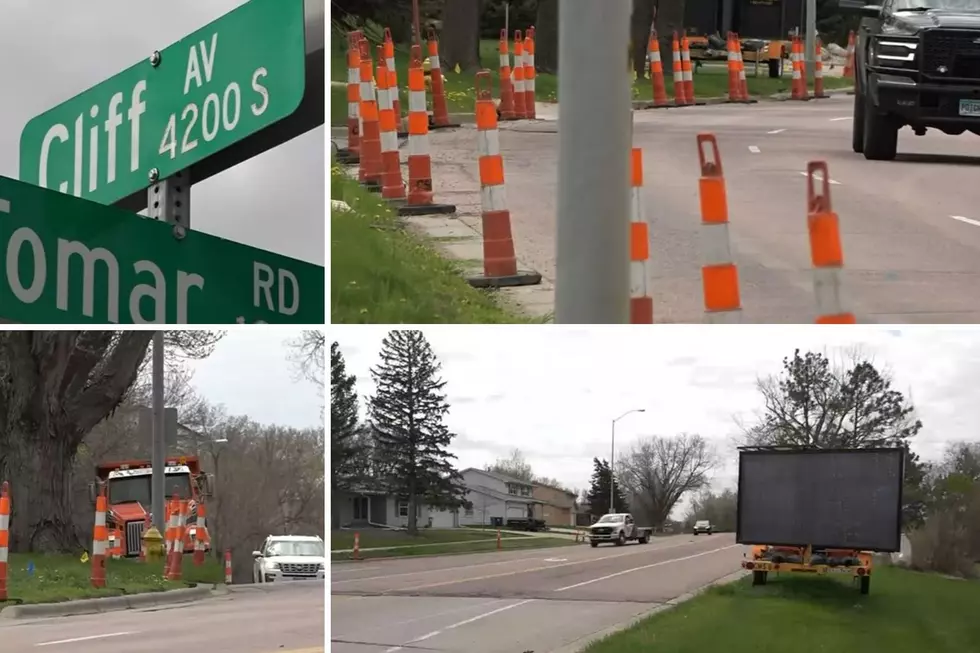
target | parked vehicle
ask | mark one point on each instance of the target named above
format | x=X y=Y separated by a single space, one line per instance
x=618 y=528
x=289 y=557
x=702 y=526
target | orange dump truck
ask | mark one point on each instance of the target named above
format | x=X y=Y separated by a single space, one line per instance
x=128 y=489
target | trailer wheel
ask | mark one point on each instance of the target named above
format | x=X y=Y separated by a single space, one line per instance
x=865 y=584
x=593 y=544
x=644 y=538
x=759 y=577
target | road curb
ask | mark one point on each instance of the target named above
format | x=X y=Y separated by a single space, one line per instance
x=582 y=642
x=453 y=553
x=112 y=603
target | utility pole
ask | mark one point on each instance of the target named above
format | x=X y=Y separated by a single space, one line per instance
x=612 y=466
x=594 y=138
x=158 y=453
x=811 y=38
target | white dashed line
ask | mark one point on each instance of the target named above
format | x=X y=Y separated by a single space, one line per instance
x=754 y=149
x=776 y=131
x=975 y=223
x=83 y=639
x=842 y=118
x=833 y=182
x=394 y=649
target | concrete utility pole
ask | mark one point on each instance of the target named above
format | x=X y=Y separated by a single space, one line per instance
x=594 y=138
x=811 y=38
x=612 y=458
x=158 y=450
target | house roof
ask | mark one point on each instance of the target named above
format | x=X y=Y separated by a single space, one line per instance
x=499 y=477
x=480 y=489
x=555 y=487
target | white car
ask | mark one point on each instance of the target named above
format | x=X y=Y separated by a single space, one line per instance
x=290 y=557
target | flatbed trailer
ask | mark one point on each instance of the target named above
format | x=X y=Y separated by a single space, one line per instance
x=765 y=559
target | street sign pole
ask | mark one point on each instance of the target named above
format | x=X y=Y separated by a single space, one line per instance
x=158 y=450
x=169 y=200
x=594 y=139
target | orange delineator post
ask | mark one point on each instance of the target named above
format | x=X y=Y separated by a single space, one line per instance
x=499 y=258
x=641 y=303
x=200 y=532
x=743 y=83
x=440 y=111
x=353 y=98
x=100 y=540
x=680 y=96
x=392 y=187
x=799 y=90
x=177 y=566
x=687 y=71
x=849 y=65
x=4 y=537
x=734 y=89
x=520 y=111
x=719 y=275
x=529 y=74
x=420 y=201
x=228 y=576
x=389 y=57
x=818 y=72
x=657 y=71
x=369 y=172
x=357 y=546
x=506 y=85
x=826 y=251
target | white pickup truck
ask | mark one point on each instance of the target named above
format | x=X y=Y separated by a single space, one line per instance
x=618 y=528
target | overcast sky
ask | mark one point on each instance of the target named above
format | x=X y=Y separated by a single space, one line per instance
x=51 y=50
x=553 y=391
x=250 y=373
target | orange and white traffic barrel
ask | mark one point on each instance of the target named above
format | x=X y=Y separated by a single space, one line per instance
x=657 y=71
x=719 y=275
x=680 y=96
x=369 y=172
x=392 y=187
x=440 y=110
x=529 y=74
x=389 y=56
x=818 y=72
x=506 y=83
x=641 y=302
x=351 y=153
x=687 y=70
x=520 y=110
x=100 y=540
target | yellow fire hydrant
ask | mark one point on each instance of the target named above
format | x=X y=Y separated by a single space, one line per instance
x=153 y=543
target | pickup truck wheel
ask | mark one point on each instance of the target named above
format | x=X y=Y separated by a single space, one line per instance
x=880 y=135
x=593 y=544
x=621 y=540
x=857 y=128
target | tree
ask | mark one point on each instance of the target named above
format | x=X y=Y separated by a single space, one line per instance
x=460 y=38
x=668 y=17
x=817 y=404
x=307 y=355
x=598 y=495
x=546 y=37
x=658 y=471
x=640 y=22
x=345 y=447
x=515 y=467
x=407 y=414
x=719 y=509
x=55 y=387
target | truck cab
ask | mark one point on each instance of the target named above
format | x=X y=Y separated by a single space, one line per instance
x=916 y=64
x=618 y=528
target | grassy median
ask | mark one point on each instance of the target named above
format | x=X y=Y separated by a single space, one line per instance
x=58 y=578
x=710 y=81
x=379 y=537
x=906 y=612
x=381 y=273
x=455 y=548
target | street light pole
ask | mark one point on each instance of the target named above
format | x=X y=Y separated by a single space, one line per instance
x=612 y=458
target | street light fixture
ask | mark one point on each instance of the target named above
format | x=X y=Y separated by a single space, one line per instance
x=612 y=458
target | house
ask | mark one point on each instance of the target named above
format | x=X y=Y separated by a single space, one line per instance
x=497 y=498
x=558 y=504
x=367 y=506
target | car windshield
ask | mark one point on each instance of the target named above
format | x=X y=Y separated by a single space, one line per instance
x=301 y=548
x=940 y=5
x=610 y=519
x=136 y=489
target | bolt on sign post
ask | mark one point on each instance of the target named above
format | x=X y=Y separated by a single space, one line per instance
x=180 y=105
x=71 y=261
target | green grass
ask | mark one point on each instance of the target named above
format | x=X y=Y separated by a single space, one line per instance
x=379 y=537
x=58 y=578
x=710 y=81
x=383 y=274
x=456 y=548
x=905 y=612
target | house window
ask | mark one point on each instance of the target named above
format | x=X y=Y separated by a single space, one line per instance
x=403 y=508
x=512 y=488
x=360 y=507
x=525 y=491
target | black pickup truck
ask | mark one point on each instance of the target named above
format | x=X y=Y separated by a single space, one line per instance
x=916 y=63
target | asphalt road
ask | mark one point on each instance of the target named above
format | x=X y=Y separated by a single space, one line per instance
x=543 y=600
x=287 y=619
x=910 y=227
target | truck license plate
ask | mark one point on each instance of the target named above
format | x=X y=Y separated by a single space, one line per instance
x=970 y=108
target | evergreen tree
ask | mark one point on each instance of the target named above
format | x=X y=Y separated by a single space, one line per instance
x=344 y=427
x=598 y=494
x=407 y=418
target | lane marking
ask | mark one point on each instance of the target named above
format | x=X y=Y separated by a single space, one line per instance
x=975 y=223
x=353 y=568
x=394 y=649
x=842 y=118
x=833 y=182
x=776 y=131
x=650 y=566
x=754 y=149
x=556 y=559
x=493 y=564
x=85 y=639
x=531 y=570
x=4 y=205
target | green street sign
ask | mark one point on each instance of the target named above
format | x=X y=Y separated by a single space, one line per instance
x=214 y=87
x=71 y=261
